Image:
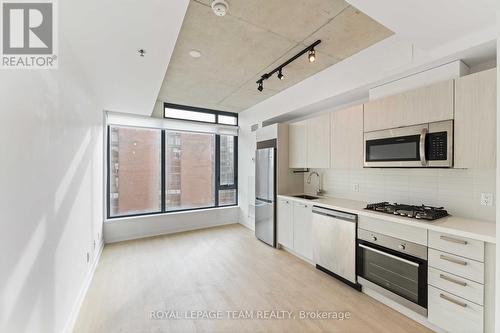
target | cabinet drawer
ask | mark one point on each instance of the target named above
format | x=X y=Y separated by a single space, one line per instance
x=464 y=267
x=396 y=230
x=457 y=285
x=465 y=247
x=454 y=314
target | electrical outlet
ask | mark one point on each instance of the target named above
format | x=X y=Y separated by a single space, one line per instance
x=355 y=187
x=486 y=199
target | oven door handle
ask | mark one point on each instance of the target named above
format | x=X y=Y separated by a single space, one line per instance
x=389 y=255
x=423 y=135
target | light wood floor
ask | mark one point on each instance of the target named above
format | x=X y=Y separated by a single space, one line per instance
x=221 y=269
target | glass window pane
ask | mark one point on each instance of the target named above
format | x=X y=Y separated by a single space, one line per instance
x=227 y=197
x=226 y=160
x=190 y=170
x=190 y=115
x=135 y=171
x=227 y=120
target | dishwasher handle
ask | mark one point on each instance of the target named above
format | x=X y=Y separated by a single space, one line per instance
x=335 y=214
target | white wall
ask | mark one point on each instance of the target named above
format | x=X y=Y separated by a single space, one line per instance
x=51 y=199
x=497 y=300
x=457 y=190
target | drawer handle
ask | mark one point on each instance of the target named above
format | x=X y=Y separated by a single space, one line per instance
x=454 y=301
x=453 y=260
x=447 y=278
x=453 y=240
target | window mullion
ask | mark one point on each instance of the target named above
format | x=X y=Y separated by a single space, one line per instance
x=217 y=169
x=163 y=173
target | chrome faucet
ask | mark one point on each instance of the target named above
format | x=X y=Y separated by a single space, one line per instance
x=319 y=191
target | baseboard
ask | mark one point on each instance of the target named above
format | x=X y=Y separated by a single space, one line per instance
x=246 y=225
x=70 y=324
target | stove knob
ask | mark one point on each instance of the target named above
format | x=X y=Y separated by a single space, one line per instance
x=402 y=246
x=374 y=238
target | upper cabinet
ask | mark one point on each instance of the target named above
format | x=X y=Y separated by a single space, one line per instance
x=309 y=143
x=475 y=120
x=423 y=105
x=347 y=138
x=297 y=144
x=318 y=142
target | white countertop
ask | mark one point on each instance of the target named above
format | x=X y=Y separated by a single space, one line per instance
x=453 y=225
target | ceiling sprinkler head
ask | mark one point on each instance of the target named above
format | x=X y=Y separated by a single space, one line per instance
x=141 y=52
x=220 y=7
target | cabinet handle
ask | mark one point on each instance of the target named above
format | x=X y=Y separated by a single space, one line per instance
x=453 y=240
x=453 y=260
x=447 y=278
x=454 y=301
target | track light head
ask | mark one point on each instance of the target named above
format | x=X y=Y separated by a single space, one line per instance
x=280 y=74
x=312 y=55
x=260 y=87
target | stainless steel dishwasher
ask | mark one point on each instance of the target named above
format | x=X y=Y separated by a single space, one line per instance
x=334 y=244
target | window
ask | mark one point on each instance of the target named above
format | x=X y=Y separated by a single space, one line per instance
x=190 y=115
x=190 y=166
x=134 y=171
x=153 y=171
x=227 y=170
x=183 y=112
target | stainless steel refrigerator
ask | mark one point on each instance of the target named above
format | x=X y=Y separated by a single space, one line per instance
x=265 y=192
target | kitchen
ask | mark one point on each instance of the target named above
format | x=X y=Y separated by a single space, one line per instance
x=433 y=265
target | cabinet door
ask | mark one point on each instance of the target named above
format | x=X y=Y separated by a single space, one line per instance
x=297 y=144
x=302 y=230
x=347 y=138
x=475 y=120
x=422 y=105
x=285 y=223
x=318 y=142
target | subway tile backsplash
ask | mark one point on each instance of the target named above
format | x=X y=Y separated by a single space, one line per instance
x=457 y=190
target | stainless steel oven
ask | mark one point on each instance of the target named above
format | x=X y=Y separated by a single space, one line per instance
x=395 y=268
x=420 y=146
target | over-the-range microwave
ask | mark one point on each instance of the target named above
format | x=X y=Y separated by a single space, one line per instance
x=419 y=146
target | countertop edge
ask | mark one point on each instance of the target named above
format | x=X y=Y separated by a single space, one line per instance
x=359 y=210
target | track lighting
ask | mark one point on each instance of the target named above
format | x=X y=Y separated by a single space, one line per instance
x=311 y=56
x=280 y=74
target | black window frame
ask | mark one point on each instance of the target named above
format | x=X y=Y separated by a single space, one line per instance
x=218 y=187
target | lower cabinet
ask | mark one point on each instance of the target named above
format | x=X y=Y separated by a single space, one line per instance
x=295 y=227
x=285 y=223
x=456 y=283
x=302 y=230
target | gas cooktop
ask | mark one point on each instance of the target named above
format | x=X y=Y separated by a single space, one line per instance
x=418 y=212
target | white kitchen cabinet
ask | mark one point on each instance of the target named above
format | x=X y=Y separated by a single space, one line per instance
x=422 y=105
x=297 y=143
x=302 y=230
x=475 y=120
x=285 y=223
x=318 y=142
x=347 y=138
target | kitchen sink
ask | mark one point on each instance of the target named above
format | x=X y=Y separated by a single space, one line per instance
x=305 y=196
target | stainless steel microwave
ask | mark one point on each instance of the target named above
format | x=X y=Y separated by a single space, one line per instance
x=419 y=146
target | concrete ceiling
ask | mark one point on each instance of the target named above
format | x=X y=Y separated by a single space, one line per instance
x=255 y=37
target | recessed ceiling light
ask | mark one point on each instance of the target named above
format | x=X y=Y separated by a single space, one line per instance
x=195 y=53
